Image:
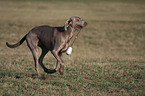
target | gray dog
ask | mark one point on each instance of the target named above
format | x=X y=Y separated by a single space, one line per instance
x=54 y=39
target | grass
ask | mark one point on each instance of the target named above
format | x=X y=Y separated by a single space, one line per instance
x=107 y=59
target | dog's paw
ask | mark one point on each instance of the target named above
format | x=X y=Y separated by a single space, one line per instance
x=61 y=70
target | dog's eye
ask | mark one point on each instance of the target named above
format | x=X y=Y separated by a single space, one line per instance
x=78 y=20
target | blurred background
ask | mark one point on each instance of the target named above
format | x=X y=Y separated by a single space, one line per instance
x=107 y=58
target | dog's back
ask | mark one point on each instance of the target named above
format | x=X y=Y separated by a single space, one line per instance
x=46 y=35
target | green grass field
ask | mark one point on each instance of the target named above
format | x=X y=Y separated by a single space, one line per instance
x=108 y=57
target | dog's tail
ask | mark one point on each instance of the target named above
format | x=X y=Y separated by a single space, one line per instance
x=17 y=44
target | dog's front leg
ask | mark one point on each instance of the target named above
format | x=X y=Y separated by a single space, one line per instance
x=59 y=60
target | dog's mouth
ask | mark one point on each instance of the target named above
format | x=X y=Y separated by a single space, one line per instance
x=79 y=26
x=82 y=26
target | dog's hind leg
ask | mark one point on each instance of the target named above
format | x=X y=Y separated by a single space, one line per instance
x=32 y=43
x=44 y=52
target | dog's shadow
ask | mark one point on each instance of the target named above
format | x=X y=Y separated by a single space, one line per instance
x=5 y=74
x=43 y=77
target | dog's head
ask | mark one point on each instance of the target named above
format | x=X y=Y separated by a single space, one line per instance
x=76 y=23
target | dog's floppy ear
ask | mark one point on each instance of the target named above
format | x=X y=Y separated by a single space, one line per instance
x=67 y=23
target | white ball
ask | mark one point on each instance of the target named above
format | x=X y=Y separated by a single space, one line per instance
x=69 y=50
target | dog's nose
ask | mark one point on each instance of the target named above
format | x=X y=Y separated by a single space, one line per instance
x=85 y=24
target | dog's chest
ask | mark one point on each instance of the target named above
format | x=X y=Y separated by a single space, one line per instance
x=66 y=44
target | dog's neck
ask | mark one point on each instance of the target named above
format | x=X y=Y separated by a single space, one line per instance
x=70 y=31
